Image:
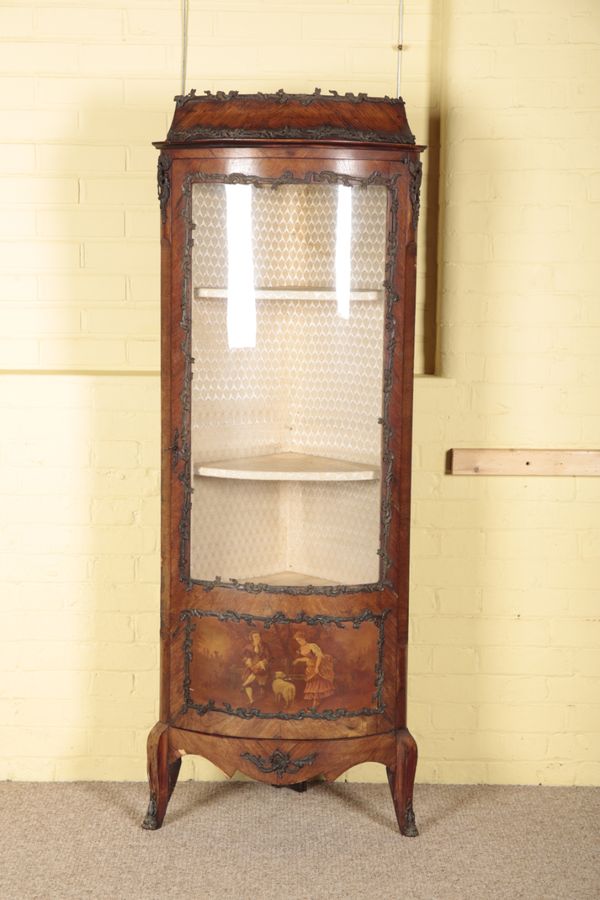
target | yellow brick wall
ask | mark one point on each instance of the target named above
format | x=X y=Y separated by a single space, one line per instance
x=505 y=667
x=505 y=631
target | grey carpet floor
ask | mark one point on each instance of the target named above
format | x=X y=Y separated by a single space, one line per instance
x=250 y=842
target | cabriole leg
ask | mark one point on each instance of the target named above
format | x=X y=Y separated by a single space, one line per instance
x=402 y=779
x=162 y=776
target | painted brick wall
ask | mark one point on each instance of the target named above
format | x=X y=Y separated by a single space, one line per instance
x=504 y=660
x=506 y=605
x=87 y=86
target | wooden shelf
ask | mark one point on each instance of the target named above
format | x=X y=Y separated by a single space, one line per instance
x=287 y=293
x=288 y=467
x=289 y=579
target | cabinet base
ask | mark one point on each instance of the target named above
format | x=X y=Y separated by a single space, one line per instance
x=282 y=763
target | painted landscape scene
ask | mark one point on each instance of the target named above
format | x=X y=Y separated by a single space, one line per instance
x=245 y=667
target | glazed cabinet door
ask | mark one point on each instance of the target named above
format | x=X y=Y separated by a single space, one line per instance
x=284 y=621
x=287 y=314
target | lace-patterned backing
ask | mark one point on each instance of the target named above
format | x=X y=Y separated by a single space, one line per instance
x=312 y=385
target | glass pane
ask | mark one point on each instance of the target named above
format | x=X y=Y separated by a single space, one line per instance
x=287 y=334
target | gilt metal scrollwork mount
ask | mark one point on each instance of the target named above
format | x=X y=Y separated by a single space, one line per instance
x=281 y=96
x=150 y=822
x=163 y=179
x=279 y=763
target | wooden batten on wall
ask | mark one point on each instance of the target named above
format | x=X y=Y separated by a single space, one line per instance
x=523 y=462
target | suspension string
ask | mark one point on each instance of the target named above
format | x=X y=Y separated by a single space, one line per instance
x=399 y=45
x=185 y=16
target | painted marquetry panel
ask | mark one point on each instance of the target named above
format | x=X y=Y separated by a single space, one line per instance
x=283 y=667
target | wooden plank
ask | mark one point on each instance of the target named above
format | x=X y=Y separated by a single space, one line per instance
x=288 y=467
x=524 y=462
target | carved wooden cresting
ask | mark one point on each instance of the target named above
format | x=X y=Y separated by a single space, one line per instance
x=288 y=234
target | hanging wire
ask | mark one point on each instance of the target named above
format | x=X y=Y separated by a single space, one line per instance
x=400 y=45
x=185 y=17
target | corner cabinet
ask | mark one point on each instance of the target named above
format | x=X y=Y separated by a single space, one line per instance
x=288 y=290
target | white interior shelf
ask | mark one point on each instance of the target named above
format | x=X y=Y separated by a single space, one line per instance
x=289 y=578
x=288 y=293
x=288 y=467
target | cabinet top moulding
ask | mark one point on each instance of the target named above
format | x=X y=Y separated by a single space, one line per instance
x=258 y=118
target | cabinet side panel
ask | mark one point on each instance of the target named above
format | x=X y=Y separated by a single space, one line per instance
x=401 y=405
x=166 y=299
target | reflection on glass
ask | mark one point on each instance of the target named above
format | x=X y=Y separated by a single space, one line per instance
x=343 y=243
x=241 y=303
x=286 y=440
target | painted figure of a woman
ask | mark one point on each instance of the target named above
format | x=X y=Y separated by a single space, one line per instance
x=318 y=672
